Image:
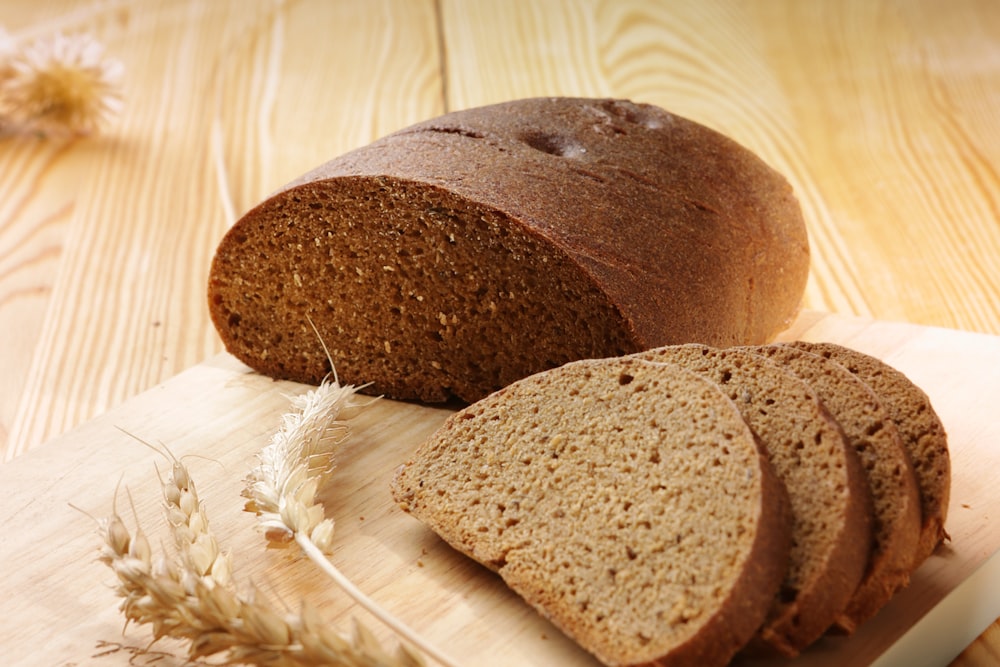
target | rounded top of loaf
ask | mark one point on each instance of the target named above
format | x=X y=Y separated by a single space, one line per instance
x=667 y=215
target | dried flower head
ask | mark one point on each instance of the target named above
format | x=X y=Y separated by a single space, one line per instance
x=60 y=85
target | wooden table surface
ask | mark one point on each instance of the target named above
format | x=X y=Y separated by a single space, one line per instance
x=883 y=115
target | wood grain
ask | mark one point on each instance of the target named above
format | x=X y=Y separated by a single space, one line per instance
x=900 y=115
x=217 y=415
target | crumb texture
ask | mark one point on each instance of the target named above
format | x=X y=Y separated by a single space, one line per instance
x=688 y=504
x=626 y=500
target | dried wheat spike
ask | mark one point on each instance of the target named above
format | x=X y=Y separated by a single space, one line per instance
x=190 y=596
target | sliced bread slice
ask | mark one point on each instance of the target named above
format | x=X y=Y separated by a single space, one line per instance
x=627 y=501
x=827 y=488
x=920 y=428
x=895 y=496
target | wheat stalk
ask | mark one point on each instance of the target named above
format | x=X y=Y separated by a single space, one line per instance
x=281 y=490
x=190 y=596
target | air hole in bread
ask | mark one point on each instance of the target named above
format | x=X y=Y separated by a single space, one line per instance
x=554 y=144
x=788 y=593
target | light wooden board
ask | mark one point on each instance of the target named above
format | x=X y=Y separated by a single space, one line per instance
x=58 y=609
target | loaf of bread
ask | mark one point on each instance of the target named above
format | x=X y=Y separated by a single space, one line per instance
x=920 y=428
x=627 y=501
x=455 y=256
x=828 y=490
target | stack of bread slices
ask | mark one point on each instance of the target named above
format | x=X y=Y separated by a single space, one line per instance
x=688 y=504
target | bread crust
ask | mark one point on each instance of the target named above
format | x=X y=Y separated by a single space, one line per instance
x=662 y=230
x=828 y=491
x=920 y=428
x=891 y=476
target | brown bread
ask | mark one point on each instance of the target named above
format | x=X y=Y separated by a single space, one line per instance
x=625 y=500
x=895 y=495
x=462 y=253
x=827 y=489
x=920 y=428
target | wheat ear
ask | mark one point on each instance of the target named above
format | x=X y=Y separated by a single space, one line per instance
x=190 y=596
x=281 y=490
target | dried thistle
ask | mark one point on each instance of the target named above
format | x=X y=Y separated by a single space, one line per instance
x=190 y=596
x=57 y=86
x=7 y=46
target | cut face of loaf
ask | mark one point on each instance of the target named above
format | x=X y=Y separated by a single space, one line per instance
x=625 y=500
x=462 y=253
x=827 y=488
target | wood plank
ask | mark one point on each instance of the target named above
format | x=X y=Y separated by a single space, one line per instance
x=32 y=229
x=217 y=414
x=887 y=101
x=984 y=651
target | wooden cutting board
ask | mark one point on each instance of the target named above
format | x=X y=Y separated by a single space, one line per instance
x=58 y=609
